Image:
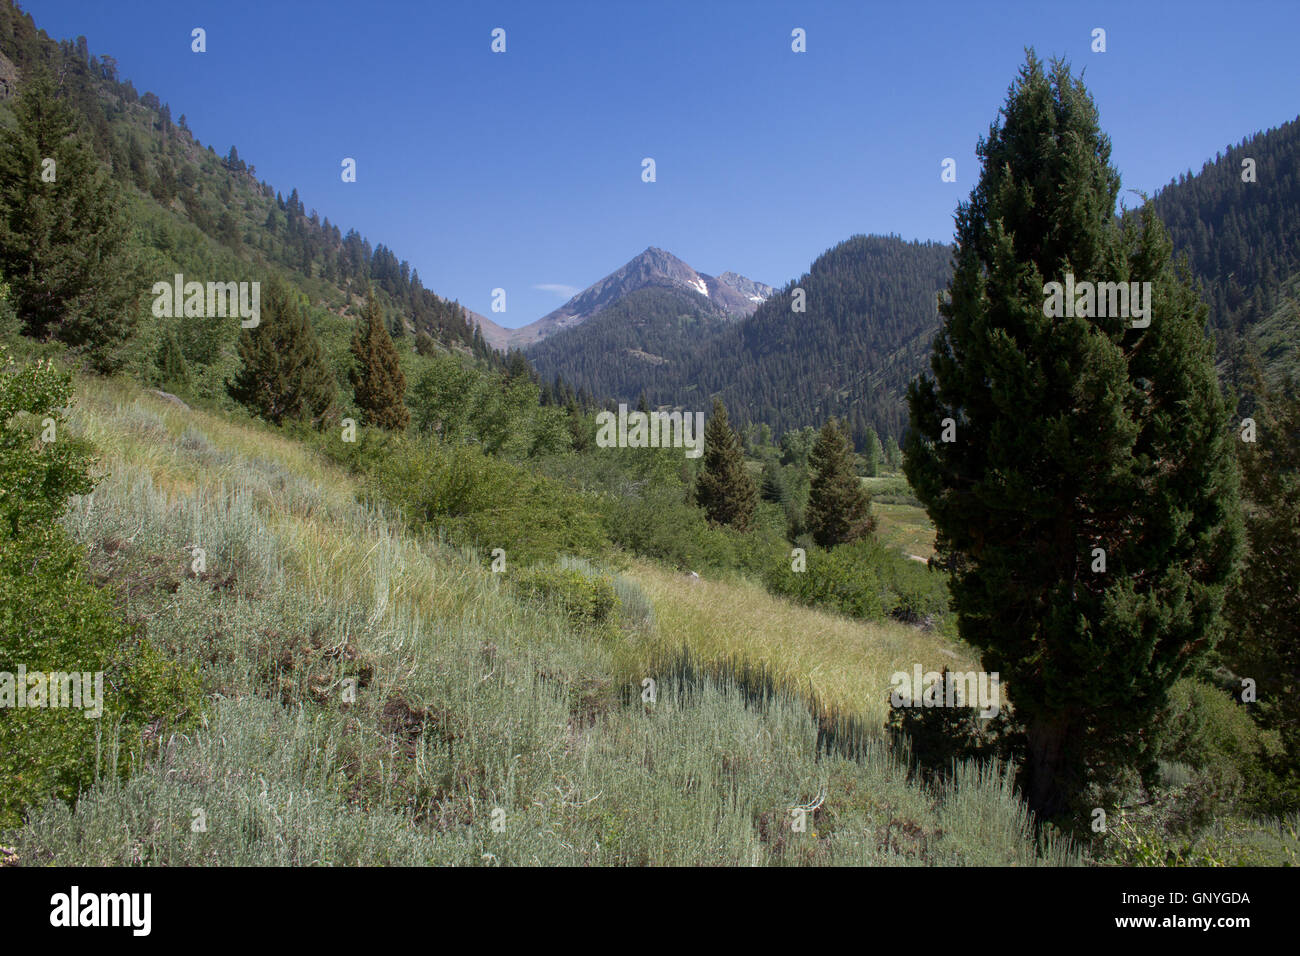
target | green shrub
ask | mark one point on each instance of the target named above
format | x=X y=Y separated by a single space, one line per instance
x=1204 y=729
x=471 y=498
x=54 y=619
x=863 y=579
x=837 y=580
x=586 y=597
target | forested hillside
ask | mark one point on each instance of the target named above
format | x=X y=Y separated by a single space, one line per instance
x=638 y=344
x=194 y=210
x=1238 y=220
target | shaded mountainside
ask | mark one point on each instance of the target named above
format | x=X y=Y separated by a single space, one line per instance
x=637 y=344
x=730 y=295
x=870 y=314
x=1242 y=238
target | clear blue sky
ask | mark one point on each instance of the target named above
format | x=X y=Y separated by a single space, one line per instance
x=523 y=169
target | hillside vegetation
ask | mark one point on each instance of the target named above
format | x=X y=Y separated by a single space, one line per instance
x=468 y=698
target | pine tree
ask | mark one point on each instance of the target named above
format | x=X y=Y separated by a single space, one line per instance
x=1078 y=470
x=377 y=380
x=723 y=488
x=839 y=509
x=284 y=375
x=63 y=242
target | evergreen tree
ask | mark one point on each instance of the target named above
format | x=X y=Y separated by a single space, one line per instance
x=1078 y=470
x=377 y=379
x=872 y=453
x=1265 y=606
x=772 y=483
x=839 y=509
x=723 y=488
x=424 y=344
x=284 y=375
x=63 y=242
x=171 y=363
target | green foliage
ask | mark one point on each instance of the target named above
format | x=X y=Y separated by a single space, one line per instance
x=1143 y=839
x=586 y=598
x=839 y=509
x=872 y=454
x=863 y=580
x=377 y=379
x=442 y=397
x=471 y=498
x=63 y=243
x=723 y=487
x=1073 y=433
x=1206 y=730
x=1265 y=605
x=53 y=618
x=283 y=376
x=173 y=371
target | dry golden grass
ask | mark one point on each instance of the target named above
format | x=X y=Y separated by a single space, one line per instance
x=846 y=663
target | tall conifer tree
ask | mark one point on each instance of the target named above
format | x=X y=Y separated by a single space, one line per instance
x=377 y=379
x=839 y=509
x=284 y=375
x=723 y=488
x=63 y=242
x=1077 y=469
x=1264 y=609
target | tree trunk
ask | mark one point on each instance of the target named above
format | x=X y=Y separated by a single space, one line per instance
x=1046 y=785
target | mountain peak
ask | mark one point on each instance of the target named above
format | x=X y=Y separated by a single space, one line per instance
x=733 y=297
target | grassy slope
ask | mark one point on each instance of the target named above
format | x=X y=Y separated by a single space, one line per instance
x=467 y=699
x=846 y=663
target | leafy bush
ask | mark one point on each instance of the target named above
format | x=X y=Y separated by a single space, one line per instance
x=54 y=619
x=864 y=580
x=586 y=597
x=471 y=498
x=838 y=580
x=1203 y=728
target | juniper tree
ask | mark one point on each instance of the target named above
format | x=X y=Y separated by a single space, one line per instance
x=377 y=379
x=284 y=375
x=839 y=509
x=1077 y=469
x=723 y=487
x=63 y=240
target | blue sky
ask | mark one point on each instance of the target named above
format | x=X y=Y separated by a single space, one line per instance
x=522 y=170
